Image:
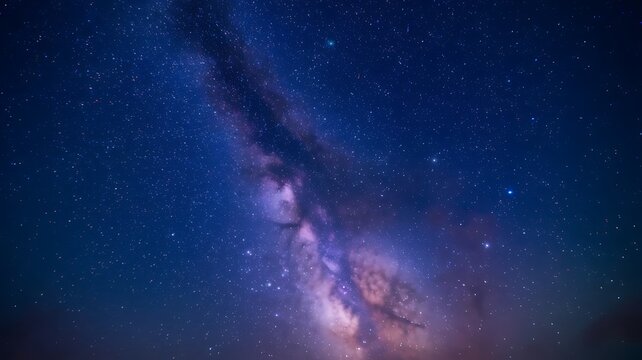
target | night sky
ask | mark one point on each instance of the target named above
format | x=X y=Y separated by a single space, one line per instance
x=283 y=179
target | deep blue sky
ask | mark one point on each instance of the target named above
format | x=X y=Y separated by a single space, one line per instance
x=502 y=143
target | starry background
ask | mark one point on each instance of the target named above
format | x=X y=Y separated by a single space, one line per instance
x=503 y=140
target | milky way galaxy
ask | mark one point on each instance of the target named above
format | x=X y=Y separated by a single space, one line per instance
x=356 y=296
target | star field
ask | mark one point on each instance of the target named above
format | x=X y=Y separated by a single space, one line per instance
x=320 y=180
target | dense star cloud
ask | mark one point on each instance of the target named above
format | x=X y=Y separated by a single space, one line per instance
x=209 y=179
x=355 y=296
